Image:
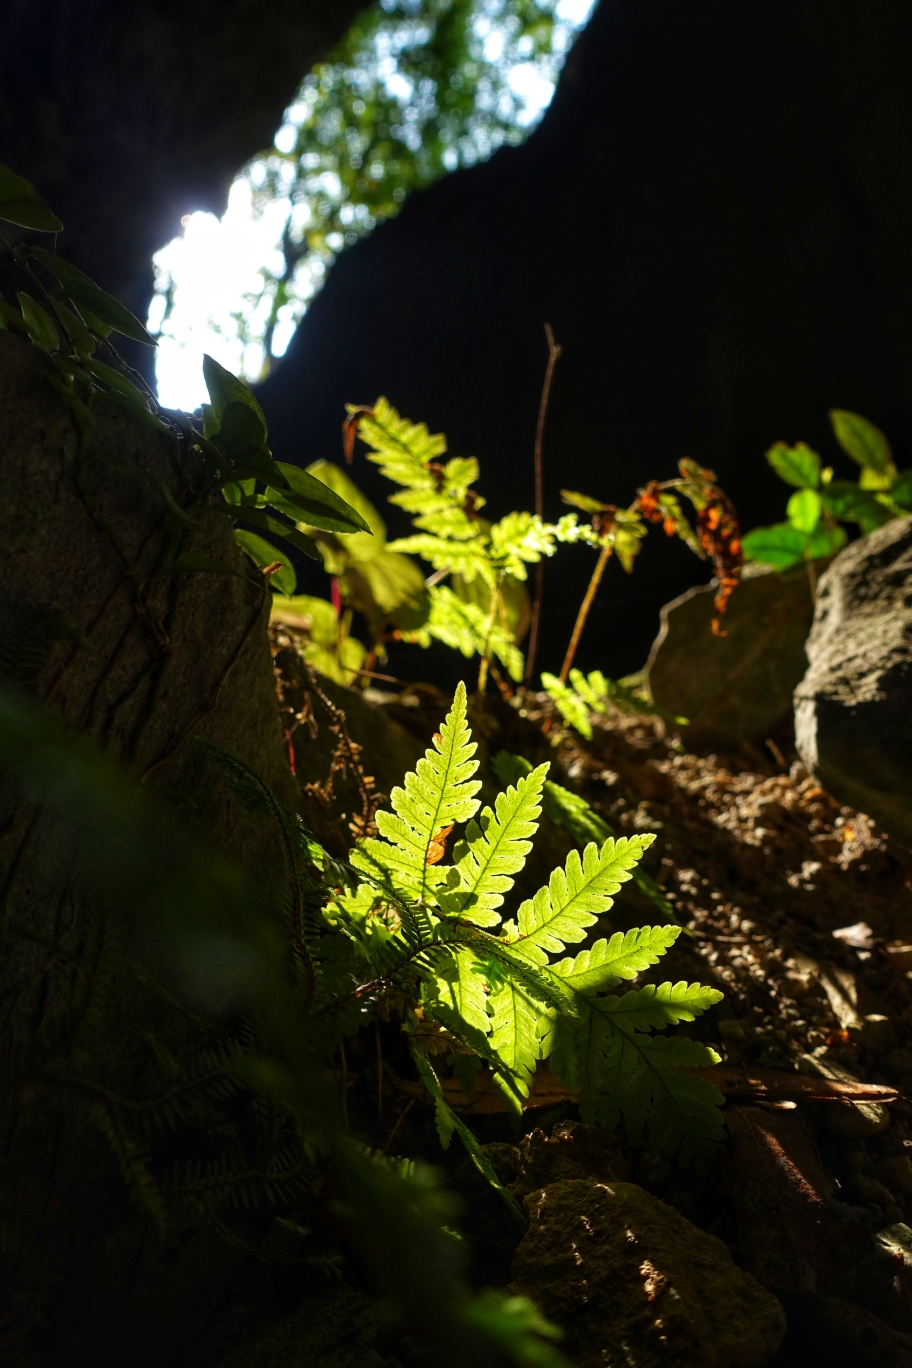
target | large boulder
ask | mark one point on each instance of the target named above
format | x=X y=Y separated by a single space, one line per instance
x=853 y=709
x=629 y=1280
x=737 y=687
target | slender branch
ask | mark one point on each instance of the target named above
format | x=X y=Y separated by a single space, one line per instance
x=584 y=611
x=554 y=352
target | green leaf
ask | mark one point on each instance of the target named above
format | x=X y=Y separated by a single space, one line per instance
x=263 y=553
x=583 y=501
x=225 y=388
x=515 y=1030
x=655 y=1007
x=310 y=500
x=849 y=501
x=181 y=514
x=360 y=545
x=495 y=847
x=901 y=491
x=624 y=956
x=279 y=529
x=79 y=334
x=135 y=404
x=571 y=811
x=387 y=585
x=448 y=1122
x=40 y=325
x=864 y=442
x=804 y=508
x=316 y=615
x=84 y=292
x=797 y=465
x=781 y=545
x=460 y=987
x=21 y=204
x=826 y=541
x=576 y=897
x=639 y=1078
x=116 y=380
x=573 y=709
x=438 y=793
x=242 y=438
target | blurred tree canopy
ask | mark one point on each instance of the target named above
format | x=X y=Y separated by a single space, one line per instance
x=415 y=89
x=128 y=114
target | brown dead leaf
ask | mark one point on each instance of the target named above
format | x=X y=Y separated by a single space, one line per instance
x=437 y=848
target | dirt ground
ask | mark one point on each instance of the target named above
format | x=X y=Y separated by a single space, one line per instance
x=801 y=913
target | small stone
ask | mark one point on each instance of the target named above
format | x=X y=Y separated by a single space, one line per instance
x=631 y=1281
x=735 y=1031
x=738 y=687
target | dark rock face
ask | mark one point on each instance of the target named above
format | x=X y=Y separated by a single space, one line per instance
x=853 y=709
x=738 y=687
x=714 y=217
x=623 y=1273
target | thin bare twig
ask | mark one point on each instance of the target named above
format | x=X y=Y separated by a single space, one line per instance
x=554 y=352
x=584 y=611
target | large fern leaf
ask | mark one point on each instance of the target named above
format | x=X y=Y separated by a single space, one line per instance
x=624 y=956
x=576 y=896
x=626 y=1075
x=439 y=792
x=495 y=848
x=515 y=1030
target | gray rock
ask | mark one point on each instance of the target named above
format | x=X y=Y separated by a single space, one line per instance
x=738 y=687
x=629 y=1280
x=853 y=709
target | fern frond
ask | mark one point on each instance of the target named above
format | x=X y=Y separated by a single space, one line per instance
x=656 y=1006
x=448 y=1122
x=464 y=557
x=576 y=896
x=573 y=709
x=637 y=1078
x=439 y=792
x=460 y=987
x=467 y=628
x=515 y=1035
x=572 y=812
x=495 y=847
x=520 y=539
x=624 y=956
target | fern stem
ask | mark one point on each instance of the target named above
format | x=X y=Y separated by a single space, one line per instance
x=584 y=611
x=554 y=352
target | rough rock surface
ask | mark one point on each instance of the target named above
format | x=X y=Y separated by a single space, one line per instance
x=621 y=1272
x=853 y=709
x=737 y=687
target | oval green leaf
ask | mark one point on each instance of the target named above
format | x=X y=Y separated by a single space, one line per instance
x=225 y=388
x=798 y=465
x=263 y=553
x=21 y=204
x=804 y=509
x=864 y=442
x=40 y=325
